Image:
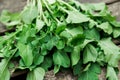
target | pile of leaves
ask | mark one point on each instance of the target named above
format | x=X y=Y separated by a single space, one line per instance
x=54 y=34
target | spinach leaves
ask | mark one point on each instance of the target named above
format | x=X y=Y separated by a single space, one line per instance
x=59 y=34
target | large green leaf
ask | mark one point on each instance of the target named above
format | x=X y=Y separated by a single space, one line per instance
x=25 y=52
x=90 y=54
x=111 y=51
x=76 y=17
x=37 y=74
x=61 y=58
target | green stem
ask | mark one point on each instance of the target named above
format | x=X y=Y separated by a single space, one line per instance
x=51 y=12
x=69 y=6
x=39 y=4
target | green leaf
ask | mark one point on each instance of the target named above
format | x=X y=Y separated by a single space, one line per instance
x=39 y=24
x=9 y=19
x=47 y=63
x=86 y=41
x=77 y=69
x=116 y=32
x=29 y=13
x=92 y=34
x=37 y=74
x=76 y=40
x=25 y=52
x=91 y=73
x=115 y=23
x=75 y=55
x=74 y=36
x=60 y=44
x=74 y=30
x=76 y=17
x=60 y=27
x=98 y=6
x=92 y=23
x=38 y=59
x=111 y=74
x=106 y=27
x=61 y=58
x=111 y=51
x=27 y=34
x=43 y=49
x=90 y=54
x=56 y=68
x=4 y=72
x=5 y=16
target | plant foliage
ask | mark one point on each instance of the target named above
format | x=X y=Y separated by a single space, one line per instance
x=61 y=34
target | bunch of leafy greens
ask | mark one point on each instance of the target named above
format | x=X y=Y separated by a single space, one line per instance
x=61 y=34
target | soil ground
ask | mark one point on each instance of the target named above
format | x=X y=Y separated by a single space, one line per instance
x=17 y=5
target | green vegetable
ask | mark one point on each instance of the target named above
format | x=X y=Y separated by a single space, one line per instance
x=91 y=73
x=59 y=34
x=36 y=74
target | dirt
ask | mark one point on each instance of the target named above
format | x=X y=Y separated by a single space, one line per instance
x=12 y=6
x=17 y=5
